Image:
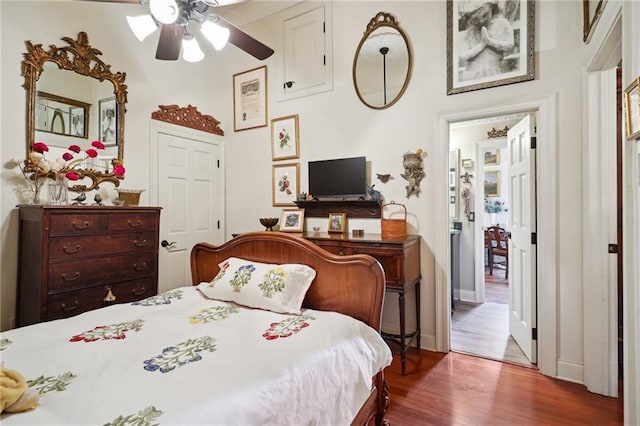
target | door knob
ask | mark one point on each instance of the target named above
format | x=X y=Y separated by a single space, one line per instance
x=167 y=245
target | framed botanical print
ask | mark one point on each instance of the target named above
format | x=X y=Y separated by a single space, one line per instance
x=632 y=109
x=492 y=184
x=292 y=220
x=285 y=141
x=489 y=44
x=250 y=99
x=285 y=184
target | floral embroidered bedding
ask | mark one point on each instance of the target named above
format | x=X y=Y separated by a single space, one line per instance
x=181 y=358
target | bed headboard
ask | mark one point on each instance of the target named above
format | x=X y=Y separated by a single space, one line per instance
x=353 y=285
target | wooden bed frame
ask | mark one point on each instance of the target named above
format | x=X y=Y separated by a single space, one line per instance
x=353 y=285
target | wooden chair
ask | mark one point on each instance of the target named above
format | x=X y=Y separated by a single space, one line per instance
x=498 y=246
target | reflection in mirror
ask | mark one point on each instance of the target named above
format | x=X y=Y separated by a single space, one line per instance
x=65 y=87
x=454 y=177
x=382 y=63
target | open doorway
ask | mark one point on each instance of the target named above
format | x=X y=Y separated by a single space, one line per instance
x=480 y=186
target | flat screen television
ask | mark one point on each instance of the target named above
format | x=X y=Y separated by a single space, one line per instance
x=339 y=178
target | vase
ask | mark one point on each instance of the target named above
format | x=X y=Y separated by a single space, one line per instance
x=493 y=217
x=58 y=191
x=35 y=189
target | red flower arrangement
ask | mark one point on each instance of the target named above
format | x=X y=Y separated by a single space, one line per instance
x=68 y=161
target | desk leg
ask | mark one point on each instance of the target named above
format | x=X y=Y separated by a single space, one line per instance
x=418 y=315
x=403 y=333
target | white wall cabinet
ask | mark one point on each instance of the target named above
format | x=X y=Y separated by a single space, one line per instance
x=305 y=43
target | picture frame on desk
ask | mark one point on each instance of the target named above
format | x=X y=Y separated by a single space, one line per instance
x=337 y=223
x=292 y=220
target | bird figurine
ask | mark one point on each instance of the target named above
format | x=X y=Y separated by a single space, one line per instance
x=374 y=193
x=384 y=178
x=79 y=199
x=98 y=200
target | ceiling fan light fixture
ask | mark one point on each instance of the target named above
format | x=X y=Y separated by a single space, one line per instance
x=165 y=11
x=217 y=35
x=191 y=51
x=142 y=25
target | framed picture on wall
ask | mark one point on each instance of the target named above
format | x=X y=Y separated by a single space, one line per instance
x=632 y=109
x=491 y=156
x=492 y=184
x=285 y=184
x=250 y=99
x=506 y=57
x=285 y=142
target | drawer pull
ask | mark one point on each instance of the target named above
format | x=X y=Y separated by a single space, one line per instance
x=66 y=308
x=73 y=278
x=110 y=297
x=142 y=243
x=80 y=226
x=140 y=267
x=134 y=224
x=138 y=292
x=341 y=253
x=71 y=250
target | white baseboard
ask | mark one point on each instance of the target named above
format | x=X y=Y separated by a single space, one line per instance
x=570 y=372
x=427 y=341
x=468 y=296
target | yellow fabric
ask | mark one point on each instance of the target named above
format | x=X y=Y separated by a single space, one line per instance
x=14 y=394
x=12 y=386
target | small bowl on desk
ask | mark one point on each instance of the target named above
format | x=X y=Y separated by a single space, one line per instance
x=269 y=222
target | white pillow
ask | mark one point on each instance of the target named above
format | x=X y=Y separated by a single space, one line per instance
x=273 y=287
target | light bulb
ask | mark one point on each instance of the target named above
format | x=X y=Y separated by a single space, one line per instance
x=191 y=51
x=165 y=11
x=216 y=34
x=141 y=26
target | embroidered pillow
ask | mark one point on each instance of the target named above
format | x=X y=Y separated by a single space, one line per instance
x=273 y=287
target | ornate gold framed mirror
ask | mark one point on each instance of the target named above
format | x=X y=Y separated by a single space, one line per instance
x=81 y=85
x=382 y=63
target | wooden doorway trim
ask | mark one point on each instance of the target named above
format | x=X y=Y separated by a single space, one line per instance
x=188 y=116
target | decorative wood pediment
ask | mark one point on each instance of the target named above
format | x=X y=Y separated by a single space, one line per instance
x=187 y=117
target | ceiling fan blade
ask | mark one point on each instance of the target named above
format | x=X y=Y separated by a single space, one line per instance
x=244 y=41
x=170 y=42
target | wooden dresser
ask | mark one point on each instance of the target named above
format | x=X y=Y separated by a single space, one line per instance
x=74 y=259
x=400 y=258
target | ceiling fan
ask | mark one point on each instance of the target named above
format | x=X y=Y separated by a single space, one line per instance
x=173 y=18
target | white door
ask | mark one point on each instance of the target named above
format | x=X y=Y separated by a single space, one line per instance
x=522 y=224
x=190 y=190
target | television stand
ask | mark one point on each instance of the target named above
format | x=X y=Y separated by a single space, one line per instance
x=355 y=208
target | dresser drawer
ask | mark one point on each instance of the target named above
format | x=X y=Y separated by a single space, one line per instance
x=334 y=248
x=142 y=221
x=66 y=304
x=78 y=224
x=80 y=247
x=391 y=261
x=104 y=270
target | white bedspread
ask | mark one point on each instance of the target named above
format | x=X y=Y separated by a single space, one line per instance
x=179 y=358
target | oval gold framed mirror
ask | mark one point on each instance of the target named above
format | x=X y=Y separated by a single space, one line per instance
x=54 y=79
x=382 y=63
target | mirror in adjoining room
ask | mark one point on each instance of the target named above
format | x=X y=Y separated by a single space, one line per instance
x=73 y=98
x=382 y=63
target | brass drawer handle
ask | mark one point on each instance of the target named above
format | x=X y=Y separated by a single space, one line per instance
x=80 y=226
x=138 y=292
x=110 y=297
x=341 y=253
x=71 y=250
x=66 y=308
x=134 y=224
x=140 y=267
x=142 y=243
x=73 y=278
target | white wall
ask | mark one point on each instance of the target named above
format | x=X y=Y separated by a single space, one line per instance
x=333 y=124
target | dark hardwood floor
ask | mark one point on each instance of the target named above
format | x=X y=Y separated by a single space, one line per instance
x=458 y=389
